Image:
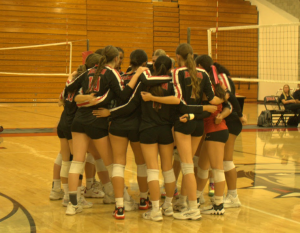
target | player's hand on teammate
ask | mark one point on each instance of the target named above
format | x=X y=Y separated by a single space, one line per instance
x=218 y=119
x=210 y=108
x=146 y=96
x=60 y=103
x=101 y=112
x=243 y=120
x=184 y=118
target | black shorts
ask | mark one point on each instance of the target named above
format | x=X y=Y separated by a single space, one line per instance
x=132 y=135
x=234 y=127
x=218 y=136
x=195 y=128
x=91 y=131
x=64 y=134
x=159 y=134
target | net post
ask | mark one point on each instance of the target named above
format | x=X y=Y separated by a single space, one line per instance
x=71 y=50
x=209 y=42
x=189 y=35
x=87 y=45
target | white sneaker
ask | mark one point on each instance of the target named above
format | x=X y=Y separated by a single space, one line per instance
x=193 y=214
x=200 y=200
x=94 y=192
x=180 y=206
x=130 y=205
x=56 y=194
x=109 y=199
x=85 y=204
x=73 y=209
x=232 y=202
x=154 y=216
x=65 y=202
x=167 y=211
x=216 y=210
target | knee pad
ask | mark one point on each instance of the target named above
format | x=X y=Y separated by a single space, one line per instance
x=90 y=158
x=202 y=174
x=228 y=165
x=65 y=168
x=58 y=159
x=218 y=175
x=142 y=170
x=152 y=174
x=77 y=167
x=169 y=176
x=100 y=166
x=118 y=170
x=187 y=168
x=176 y=155
x=195 y=160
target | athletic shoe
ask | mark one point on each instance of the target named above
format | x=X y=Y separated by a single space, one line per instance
x=154 y=216
x=65 y=202
x=130 y=205
x=216 y=209
x=118 y=213
x=188 y=214
x=85 y=204
x=56 y=194
x=200 y=200
x=167 y=211
x=73 y=209
x=145 y=204
x=232 y=202
x=211 y=189
x=180 y=206
x=109 y=199
x=163 y=194
x=94 y=192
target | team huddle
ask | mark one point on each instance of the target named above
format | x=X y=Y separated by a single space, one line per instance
x=188 y=115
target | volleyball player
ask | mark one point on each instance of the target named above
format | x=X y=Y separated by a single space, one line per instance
x=119 y=65
x=189 y=85
x=103 y=80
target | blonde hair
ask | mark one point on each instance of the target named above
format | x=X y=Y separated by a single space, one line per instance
x=285 y=96
x=186 y=52
x=159 y=52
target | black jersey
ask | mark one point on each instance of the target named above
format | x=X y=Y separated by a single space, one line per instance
x=296 y=95
x=108 y=86
x=236 y=108
x=130 y=120
x=69 y=111
x=149 y=116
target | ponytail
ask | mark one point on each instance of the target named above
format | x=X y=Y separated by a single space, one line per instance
x=101 y=66
x=190 y=64
x=214 y=78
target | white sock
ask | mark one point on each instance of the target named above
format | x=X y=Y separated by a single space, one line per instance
x=56 y=184
x=232 y=192
x=168 y=202
x=218 y=200
x=144 y=195
x=78 y=192
x=155 y=205
x=66 y=190
x=119 y=202
x=182 y=199
x=108 y=188
x=193 y=204
x=89 y=182
x=199 y=193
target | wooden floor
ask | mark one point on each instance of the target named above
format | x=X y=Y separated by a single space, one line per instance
x=268 y=164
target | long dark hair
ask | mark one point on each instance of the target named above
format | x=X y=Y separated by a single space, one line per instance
x=108 y=54
x=186 y=52
x=162 y=65
x=138 y=57
x=207 y=63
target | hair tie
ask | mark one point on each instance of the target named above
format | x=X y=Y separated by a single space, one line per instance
x=214 y=69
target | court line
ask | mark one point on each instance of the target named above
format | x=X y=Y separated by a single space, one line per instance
x=33 y=112
x=273 y=215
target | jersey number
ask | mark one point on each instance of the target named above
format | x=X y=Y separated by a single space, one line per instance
x=97 y=87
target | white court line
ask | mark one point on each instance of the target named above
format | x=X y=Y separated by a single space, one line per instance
x=273 y=215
